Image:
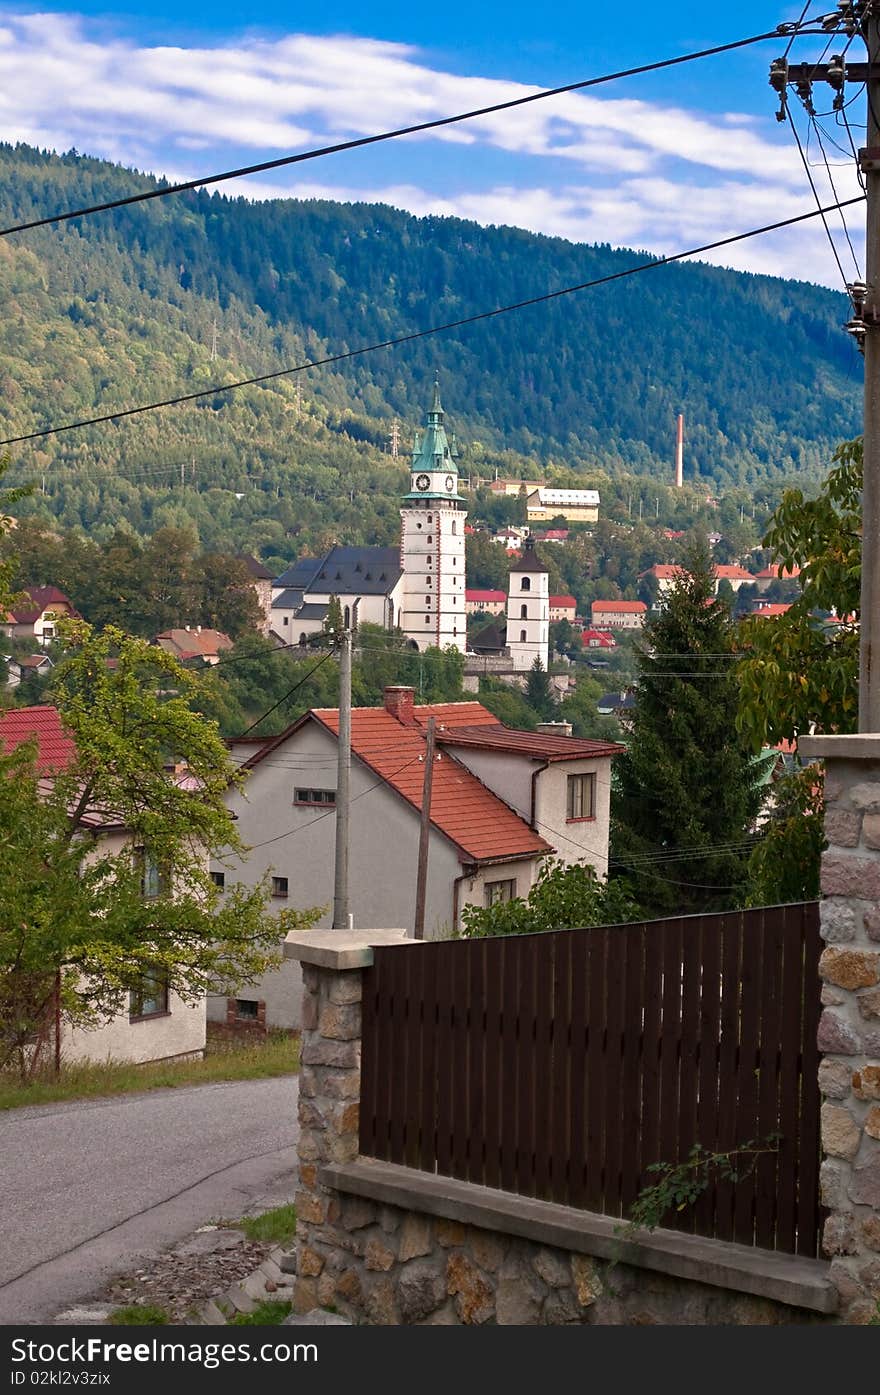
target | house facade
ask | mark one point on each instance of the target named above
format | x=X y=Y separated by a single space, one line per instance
x=36 y=616
x=618 y=615
x=574 y=505
x=528 y=610
x=501 y=802
x=194 y=642
x=155 y=1024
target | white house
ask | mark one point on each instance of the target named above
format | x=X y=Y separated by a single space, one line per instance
x=156 y=1024
x=528 y=610
x=501 y=801
x=574 y=505
x=36 y=616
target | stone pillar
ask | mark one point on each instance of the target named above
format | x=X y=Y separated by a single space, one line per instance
x=849 y=1029
x=333 y=962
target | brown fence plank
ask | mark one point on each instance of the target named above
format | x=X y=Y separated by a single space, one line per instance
x=494 y=1065
x=596 y=947
x=808 y=1210
x=747 y=1071
x=428 y=1106
x=476 y=1029
x=789 y=1082
x=688 y=1053
x=651 y=1035
x=399 y=1058
x=618 y=946
x=510 y=1051
x=577 y=1152
x=770 y=1026
x=459 y=1054
x=670 y=1042
x=545 y=1084
x=630 y=1104
x=369 y=1066
x=731 y=982
x=711 y=929
x=446 y=1097
x=527 y=1087
x=413 y=1047
x=559 y=1103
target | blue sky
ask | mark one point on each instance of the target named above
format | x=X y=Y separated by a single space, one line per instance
x=662 y=162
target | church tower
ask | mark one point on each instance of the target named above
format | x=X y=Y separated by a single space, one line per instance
x=432 y=541
x=528 y=610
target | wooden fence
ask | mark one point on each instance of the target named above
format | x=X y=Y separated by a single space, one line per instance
x=561 y=1065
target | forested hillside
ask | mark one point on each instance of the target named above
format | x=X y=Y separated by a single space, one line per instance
x=120 y=309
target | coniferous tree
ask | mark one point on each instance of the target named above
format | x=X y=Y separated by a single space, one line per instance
x=538 y=694
x=686 y=793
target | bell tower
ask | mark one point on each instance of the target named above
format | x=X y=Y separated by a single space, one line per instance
x=432 y=522
x=528 y=610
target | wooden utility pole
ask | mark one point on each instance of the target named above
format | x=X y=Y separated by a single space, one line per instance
x=425 y=831
x=343 y=787
x=857 y=17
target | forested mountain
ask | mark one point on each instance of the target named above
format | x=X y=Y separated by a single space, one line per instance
x=121 y=308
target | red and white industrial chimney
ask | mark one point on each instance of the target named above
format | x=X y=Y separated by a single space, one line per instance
x=679 y=452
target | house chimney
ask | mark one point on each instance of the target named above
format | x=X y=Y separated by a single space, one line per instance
x=554 y=728
x=679 y=452
x=399 y=704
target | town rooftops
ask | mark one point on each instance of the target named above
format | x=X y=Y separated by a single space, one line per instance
x=563 y=603
x=477 y=597
x=536 y=745
x=619 y=607
x=299 y=574
x=197 y=643
x=346 y=571
x=36 y=600
x=55 y=749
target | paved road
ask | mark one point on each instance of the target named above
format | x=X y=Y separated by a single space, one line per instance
x=86 y=1187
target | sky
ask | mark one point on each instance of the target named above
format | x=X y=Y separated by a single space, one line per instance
x=660 y=162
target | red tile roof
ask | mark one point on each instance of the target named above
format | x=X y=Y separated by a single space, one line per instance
x=37 y=599
x=620 y=607
x=55 y=749
x=774 y=609
x=733 y=574
x=536 y=745
x=777 y=572
x=563 y=602
x=480 y=824
x=600 y=639
x=194 y=644
x=487 y=596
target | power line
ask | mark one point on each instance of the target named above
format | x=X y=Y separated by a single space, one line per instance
x=287 y=695
x=820 y=210
x=361 y=141
x=291 y=832
x=432 y=330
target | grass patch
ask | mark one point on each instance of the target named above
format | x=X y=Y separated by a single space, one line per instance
x=275 y=1054
x=265 y=1314
x=139 y=1315
x=277 y=1226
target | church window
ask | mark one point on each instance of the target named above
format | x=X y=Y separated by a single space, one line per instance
x=427 y=600
x=454 y=527
x=523 y=612
x=347 y=620
x=526 y=584
x=430 y=560
x=430 y=540
x=428 y=580
x=522 y=636
x=427 y=619
x=418 y=525
x=430 y=518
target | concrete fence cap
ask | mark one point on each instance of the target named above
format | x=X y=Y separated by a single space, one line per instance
x=340 y=949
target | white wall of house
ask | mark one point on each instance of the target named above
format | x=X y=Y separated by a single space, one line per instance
x=383 y=855
x=179 y=1032
x=510 y=777
x=580 y=840
x=473 y=887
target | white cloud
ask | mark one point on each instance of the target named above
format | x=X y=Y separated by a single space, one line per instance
x=582 y=166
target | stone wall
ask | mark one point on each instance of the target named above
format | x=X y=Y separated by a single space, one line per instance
x=379 y=1264
x=849 y=1029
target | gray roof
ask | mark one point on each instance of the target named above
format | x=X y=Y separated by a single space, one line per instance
x=313 y=610
x=357 y=571
x=300 y=573
x=255 y=567
x=288 y=600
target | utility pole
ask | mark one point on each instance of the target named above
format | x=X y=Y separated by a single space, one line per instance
x=858 y=17
x=394 y=439
x=341 y=916
x=213 y=341
x=425 y=832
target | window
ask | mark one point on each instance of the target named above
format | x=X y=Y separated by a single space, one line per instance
x=430 y=539
x=523 y=612
x=428 y=581
x=279 y=887
x=150 y=997
x=500 y=891
x=219 y=879
x=154 y=878
x=427 y=619
x=347 y=617
x=427 y=600
x=454 y=527
x=581 y=802
x=286 y=620
x=430 y=560
x=526 y=584
x=322 y=797
x=522 y=636
x=247 y=1008
x=303 y=639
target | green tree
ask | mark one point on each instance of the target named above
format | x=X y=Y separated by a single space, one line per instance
x=102 y=914
x=686 y=796
x=538 y=694
x=562 y=898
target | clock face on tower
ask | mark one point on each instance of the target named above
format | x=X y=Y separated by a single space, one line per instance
x=450 y=484
x=423 y=482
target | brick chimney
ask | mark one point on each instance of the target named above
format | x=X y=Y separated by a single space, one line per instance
x=399 y=703
x=554 y=728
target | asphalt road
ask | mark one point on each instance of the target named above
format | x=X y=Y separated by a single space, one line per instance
x=86 y=1188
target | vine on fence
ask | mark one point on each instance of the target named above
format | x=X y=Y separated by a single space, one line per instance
x=679 y=1185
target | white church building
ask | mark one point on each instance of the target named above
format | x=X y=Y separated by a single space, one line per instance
x=418 y=587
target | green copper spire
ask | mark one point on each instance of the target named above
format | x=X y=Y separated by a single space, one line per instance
x=435 y=457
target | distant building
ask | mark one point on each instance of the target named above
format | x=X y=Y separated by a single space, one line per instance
x=261 y=579
x=575 y=505
x=194 y=642
x=514 y=489
x=511 y=538
x=770 y=609
x=563 y=608
x=598 y=639
x=619 y=705
x=618 y=615
x=768 y=575
x=492 y=602
x=528 y=611
x=19 y=669
x=36 y=616
x=667 y=576
x=552 y=535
